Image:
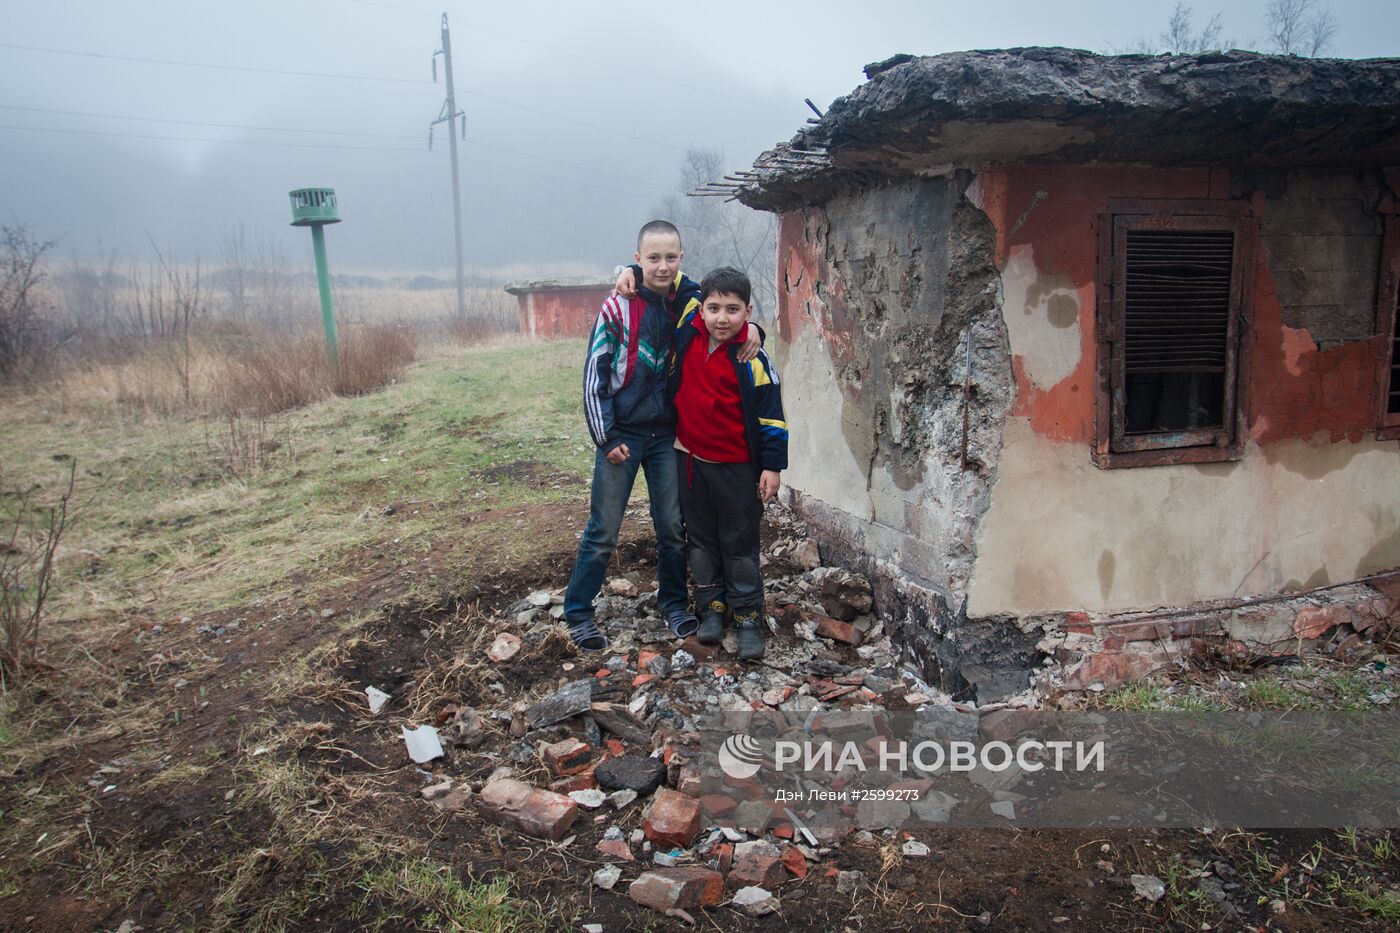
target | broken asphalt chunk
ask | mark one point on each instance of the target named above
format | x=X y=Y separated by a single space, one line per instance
x=618 y=720
x=568 y=701
x=639 y=773
x=529 y=809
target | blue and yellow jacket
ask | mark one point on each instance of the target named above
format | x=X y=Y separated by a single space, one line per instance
x=629 y=351
x=760 y=397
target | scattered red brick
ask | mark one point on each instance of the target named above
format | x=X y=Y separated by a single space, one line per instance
x=717 y=804
x=677 y=888
x=568 y=756
x=725 y=853
x=721 y=671
x=795 y=862
x=603 y=673
x=765 y=871
x=617 y=848
x=645 y=657
x=529 y=809
x=672 y=819
x=698 y=651
x=783 y=831
x=642 y=679
x=616 y=747
x=837 y=630
x=581 y=781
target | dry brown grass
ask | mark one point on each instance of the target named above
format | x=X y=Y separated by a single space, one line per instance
x=233 y=376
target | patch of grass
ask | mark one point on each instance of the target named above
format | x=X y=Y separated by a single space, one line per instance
x=9 y=884
x=1270 y=694
x=1350 y=690
x=161 y=526
x=1192 y=703
x=1135 y=696
x=431 y=892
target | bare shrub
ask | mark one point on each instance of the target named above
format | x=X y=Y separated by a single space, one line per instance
x=374 y=356
x=243 y=446
x=266 y=376
x=26 y=574
x=21 y=275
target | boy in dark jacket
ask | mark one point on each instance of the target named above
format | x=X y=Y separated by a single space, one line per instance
x=732 y=438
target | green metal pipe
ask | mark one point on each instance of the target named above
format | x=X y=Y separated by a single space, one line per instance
x=323 y=281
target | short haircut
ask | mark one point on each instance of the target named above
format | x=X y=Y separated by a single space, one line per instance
x=662 y=227
x=726 y=280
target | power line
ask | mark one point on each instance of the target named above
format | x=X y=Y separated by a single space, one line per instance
x=291 y=145
x=247 y=69
x=598 y=63
x=289 y=129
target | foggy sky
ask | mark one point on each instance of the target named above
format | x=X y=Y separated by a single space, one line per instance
x=649 y=79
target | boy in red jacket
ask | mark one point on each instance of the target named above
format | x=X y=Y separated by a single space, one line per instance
x=732 y=441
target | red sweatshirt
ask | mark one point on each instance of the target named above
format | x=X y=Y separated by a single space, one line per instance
x=709 y=417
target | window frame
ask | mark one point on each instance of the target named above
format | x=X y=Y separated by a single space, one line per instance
x=1387 y=300
x=1112 y=448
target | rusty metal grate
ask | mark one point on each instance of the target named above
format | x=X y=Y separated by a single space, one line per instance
x=1177 y=301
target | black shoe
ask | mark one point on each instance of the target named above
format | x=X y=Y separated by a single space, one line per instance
x=750 y=630
x=711 y=630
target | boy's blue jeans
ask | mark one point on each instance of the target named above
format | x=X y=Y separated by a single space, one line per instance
x=612 y=486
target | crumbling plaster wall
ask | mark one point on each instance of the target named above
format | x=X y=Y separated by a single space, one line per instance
x=1315 y=498
x=883 y=293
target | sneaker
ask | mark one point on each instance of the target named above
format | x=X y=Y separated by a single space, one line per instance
x=586 y=634
x=711 y=630
x=750 y=630
x=682 y=622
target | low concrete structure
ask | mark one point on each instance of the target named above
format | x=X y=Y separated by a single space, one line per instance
x=562 y=307
x=1073 y=341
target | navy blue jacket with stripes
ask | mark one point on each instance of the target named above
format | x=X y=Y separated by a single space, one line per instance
x=624 y=377
x=760 y=397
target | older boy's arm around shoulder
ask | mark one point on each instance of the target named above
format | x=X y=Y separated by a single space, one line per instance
x=597 y=383
x=772 y=426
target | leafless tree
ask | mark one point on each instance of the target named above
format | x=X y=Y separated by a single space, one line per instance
x=29 y=538
x=723 y=233
x=22 y=273
x=1299 y=27
x=1181 y=39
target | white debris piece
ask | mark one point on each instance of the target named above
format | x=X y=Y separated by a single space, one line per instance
x=423 y=743
x=915 y=848
x=591 y=798
x=377 y=699
x=755 y=901
x=607 y=876
x=1149 y=886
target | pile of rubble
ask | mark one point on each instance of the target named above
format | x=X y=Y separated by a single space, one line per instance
x=615 y=744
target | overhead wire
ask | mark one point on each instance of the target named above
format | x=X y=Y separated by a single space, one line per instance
x=318 y=132
x=248 y=69
x=296 y=145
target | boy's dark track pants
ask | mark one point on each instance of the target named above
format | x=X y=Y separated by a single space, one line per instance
x=722 y=512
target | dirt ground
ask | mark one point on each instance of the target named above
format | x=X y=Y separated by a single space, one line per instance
x=295 y=843
x=220 y=770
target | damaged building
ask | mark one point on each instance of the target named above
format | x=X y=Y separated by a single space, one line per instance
x=1090 y=361
x=561 y=307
